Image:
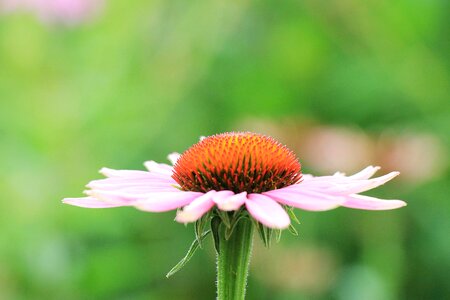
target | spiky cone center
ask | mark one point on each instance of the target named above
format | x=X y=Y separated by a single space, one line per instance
x=239 y=162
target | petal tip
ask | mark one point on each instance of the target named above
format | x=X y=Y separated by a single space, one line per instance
x=281 y=226
x=104 y=171
x=227 y=206
x=173 y=157
x=395 y=204
x=390 y=176
x=267 y=211
x=185 y=217
x=150 y=165
x=402 y=203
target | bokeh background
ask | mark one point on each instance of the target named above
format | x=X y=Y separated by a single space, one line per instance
x=345 y=84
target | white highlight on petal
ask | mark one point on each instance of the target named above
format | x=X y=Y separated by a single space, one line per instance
x=153 y=166
x=306 y=199
x=371 y=203
x=230 y=201
x=111 y=197
x=359 y=186
x=123 y=173
x=267 y=211
x=339 y=174
x=365 y=173
x=90 y=202
x=116 y=183
x=127 y=197
x=196 y=209
x=164 y=201
x=135 y=189
x=173 y=157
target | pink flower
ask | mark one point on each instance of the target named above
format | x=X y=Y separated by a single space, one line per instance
x=234 y=171
x=66 y=12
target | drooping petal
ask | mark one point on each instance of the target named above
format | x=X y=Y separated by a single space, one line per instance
x=371 y=203
x=267 y=211
x=165 y=201
x=306 y=199
x=90 y=202
x=229 y=202
x=196 y=209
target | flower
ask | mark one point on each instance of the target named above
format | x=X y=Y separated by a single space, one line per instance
x=232 y=172
x=65 y=12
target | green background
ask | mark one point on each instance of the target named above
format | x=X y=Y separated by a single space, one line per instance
x=146 y=78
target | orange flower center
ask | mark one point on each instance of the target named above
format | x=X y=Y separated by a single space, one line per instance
x=239 y=162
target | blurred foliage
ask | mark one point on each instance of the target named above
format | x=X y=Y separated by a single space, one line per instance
x=145 y=78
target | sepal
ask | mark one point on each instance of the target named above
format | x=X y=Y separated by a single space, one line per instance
x=194 y=246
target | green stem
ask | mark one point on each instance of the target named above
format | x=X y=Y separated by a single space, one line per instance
x=233 y=260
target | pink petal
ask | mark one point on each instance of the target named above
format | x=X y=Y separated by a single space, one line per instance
x=230 y=201
x=318 y=183
x=196 y=209
x=365 y=173
x=359 y=186
x=306 y=199
x=136 y=190
x=155 y=167
x=267 y=211
x=341 y=184
x=127 y=182
x=112 y=198
x=128 y=195
x=371 y=203
x=90 y=202
x=173 y=157
x=164 y=201
x=123 y=173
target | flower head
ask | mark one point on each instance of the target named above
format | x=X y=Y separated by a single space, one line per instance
x=238 y=162
x=227 y=172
